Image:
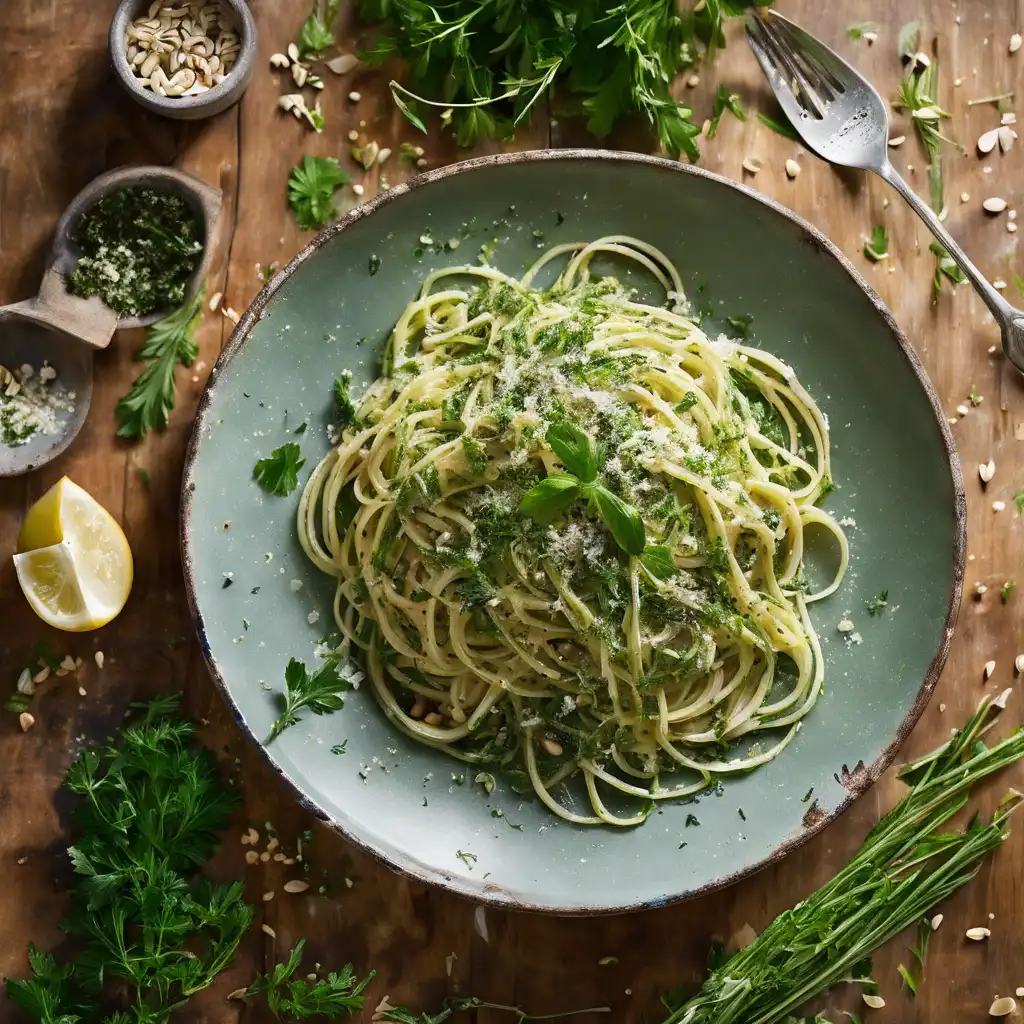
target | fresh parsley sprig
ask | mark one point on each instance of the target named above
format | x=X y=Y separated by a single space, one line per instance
x=320 y=691
x=294 y=998
x=278 y=473
x=311 y=188
x=152 y=932
x=558 y=491
x=907 y=865
x=170 y=342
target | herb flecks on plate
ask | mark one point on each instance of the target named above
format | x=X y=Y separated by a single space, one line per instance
x=321 y=691
x=139 y=248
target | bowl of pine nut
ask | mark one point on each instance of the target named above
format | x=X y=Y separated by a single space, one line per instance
x=185 y=59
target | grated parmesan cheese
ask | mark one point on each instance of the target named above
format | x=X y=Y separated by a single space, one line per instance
x=32 y=404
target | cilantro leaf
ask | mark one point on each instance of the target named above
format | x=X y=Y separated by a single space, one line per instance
x=278 y=473
x=311 y=188
x=169 y=341
x=321 y=692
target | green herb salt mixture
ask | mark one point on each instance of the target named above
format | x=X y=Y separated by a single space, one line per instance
x=31 y=403
x=139 y=249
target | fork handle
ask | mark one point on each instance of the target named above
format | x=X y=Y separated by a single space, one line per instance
x=1010 y=319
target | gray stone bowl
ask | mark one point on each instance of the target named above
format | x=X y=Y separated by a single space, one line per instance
x=64 y=329
x=186 y=108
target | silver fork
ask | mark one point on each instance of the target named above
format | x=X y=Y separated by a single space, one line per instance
x=840 y=116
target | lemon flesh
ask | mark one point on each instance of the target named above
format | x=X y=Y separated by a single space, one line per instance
x=73 y=563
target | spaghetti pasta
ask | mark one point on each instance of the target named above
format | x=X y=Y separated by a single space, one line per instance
x=568 y=529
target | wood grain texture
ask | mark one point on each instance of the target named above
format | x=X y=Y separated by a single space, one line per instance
x=64 y=119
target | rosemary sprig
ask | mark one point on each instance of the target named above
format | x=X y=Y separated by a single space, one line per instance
x=906 y=866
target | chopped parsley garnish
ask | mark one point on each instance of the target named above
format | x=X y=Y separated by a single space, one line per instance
x=858 y=30
x=278 y=473
x=740 y=324
x=724 y=100
x=779 y=127
x=1006 y=590
x=138 y=249
x=169 y=343
x=311 y=188
x=877 y=605
x=320 y=691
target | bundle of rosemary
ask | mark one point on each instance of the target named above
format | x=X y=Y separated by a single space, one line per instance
x=906 y=866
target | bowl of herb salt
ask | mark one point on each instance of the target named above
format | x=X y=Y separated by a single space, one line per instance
x=139 y=239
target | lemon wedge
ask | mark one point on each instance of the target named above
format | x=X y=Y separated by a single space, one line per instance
x=73 y=563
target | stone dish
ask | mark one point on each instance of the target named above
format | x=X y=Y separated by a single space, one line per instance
x=740 y=253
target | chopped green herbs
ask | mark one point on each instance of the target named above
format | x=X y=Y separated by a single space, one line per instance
x=859 y=30
x=485 y=71
x=278 y=473
x=316 y=33
x=1018 y=500
x=946 y=268
x=1006 y=590
x=169 y=342
x=740 y=324
x=138 y=249
x=779 y=127
x=877 y=605
x=724 y=101
x=909 y=862
x=311 y=188
x=320 y=691
x=374 y=264
x=876 y=248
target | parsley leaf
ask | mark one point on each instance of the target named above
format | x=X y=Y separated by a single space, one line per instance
x=339 y=994
x=877 y=246
x=278 y=473
x=320 y=692
x=311 y=188
x=877 y=605
x=148 y=927
x=170 y=341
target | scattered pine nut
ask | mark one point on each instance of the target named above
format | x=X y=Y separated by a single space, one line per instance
x=551 y=746
x=354 y=96
x=999 y=284
x=986 y=471
x=792 y=169
x=267 y=930
x=978 y=934
x=1018 y=663
x=26 y=721
x=987 y=141
x=1015 y=42
x=990 y=667
x=98 y=657
x=1005 y=1006
x=751 y=165
x=251 y=857
x=965 y=197
x=998 y=506
x=994 y=204
x=268 y=896
x=296 y=885
x=897 y=141
x=875 y=1002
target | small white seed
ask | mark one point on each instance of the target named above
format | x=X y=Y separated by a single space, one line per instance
x=1011 y=227
x=268 y=896
x=299 y=74
x=293 y=51
x=897 y=141
x=1020 y=992
x=986 y=471
x=965 y=197
x=383 y=155
x=875 y=1002
x=978 y=934
x=987 y=141
x=358 y=189
x=990 y=667
x=1015 y=42
x=792 y=169
x=999 y=284
x=251 y=857
x=279 y=60
x=998 y=506
x=26 y=721
x=296 y=885
x=354 y=96
x=936 y=921
x=994 y=204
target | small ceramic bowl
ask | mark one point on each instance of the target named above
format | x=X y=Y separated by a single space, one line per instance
x=186 y=108
x=203 y=200
x=63 y=329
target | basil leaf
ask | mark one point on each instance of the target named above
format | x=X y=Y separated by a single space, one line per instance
x=573 y=446
x=657 y=560
x=622 y=520
x=553 y=494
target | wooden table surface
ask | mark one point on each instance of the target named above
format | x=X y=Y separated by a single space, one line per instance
x=64 y=119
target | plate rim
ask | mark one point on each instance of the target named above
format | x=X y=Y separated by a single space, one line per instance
x=855 y=781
